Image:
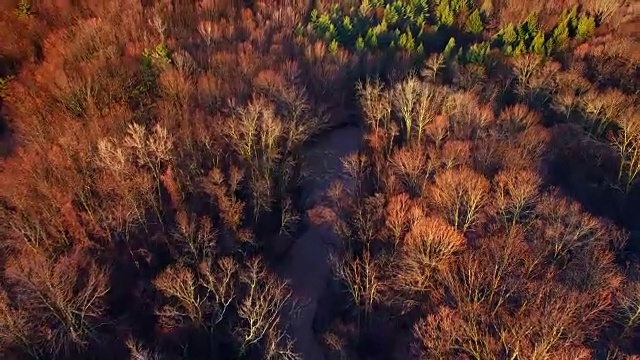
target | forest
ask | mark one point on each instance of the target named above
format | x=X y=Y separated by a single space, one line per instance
x=320 y=179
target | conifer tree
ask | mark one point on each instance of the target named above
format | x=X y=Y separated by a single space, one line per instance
x=474 y=23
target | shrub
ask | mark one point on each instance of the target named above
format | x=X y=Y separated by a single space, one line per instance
x=23 y=9
x=4 y=83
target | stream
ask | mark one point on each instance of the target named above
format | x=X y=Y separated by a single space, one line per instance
x=307 y=266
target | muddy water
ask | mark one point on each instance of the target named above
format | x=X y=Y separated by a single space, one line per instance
x=307 y=265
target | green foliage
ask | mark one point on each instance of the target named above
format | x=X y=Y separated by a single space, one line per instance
x=446 y=11
x=448 y=50
x=371 y=39
x=538 y=45
x=323 y=26
x=400 y=26
x=298 y=31
x=360 y=44
x=444 y=14
x=160 y=53
x=391 y=16
x=520 y=49
x=560 y=33
x=407 y=42
x=510 y=36
x=4 y=83
x=403 y=23
x=477 y=53
x=527 y=37
x=474 y=24
x=586 y=27
x=529 y=29
x=333 y=46
x=23 y=9
x=148 y=74
x=347 y=25
x=418 y=11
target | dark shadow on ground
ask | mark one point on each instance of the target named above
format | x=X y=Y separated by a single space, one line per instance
x=586 y=171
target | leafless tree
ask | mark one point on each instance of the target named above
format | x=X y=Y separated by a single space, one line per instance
x=460 y=194
x=265 y=296
x=63 y=300
x=516 y=195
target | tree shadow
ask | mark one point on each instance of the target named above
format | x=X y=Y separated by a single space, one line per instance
x=586 y=171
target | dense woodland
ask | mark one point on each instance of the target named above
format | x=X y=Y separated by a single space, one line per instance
x=150 y=177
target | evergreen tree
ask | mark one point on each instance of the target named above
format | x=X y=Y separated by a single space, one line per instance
x=360 y=43
x=449 y=48
x=474 y=24
x=407 y=41
x=444 y=14
x=560 y=34
x=509 y=35
x=586 y=27
x=538 y=44
x=477 y=53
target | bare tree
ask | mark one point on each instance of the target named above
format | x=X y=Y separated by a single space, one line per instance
x=405 y=95
x=427 y=249
x=433 y=65
x=139 y=352
x=460 y=194
x=629 y=308
x=179 y=284
x=627 y=145
x=63 y=300
x=195 y=239
x=438 y=129
x=15 y=330
x=516 y=195
x=601 y=110
x=411 y=165
x=604 y=9
x=265 y=297
x=362 y=277
x=564 y=226
x=375 y=103
x=396 y=216
x=427 y=106
x=221 y=283
x=455 y=153
x=518 y=118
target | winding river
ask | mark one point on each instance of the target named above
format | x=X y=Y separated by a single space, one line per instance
x=307 y=266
